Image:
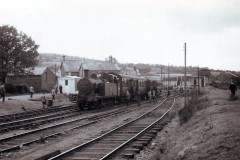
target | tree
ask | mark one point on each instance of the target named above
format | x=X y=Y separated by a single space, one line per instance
x=17 y=52
x=111 y=59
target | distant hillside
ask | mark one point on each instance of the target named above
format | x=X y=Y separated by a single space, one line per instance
x=53 y=59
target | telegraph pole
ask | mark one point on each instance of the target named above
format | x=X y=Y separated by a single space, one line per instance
x=198 y=82
x=161 y=72
x=185 y=75
x=168 y=76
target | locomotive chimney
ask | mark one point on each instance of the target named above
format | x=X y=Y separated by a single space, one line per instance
x=86 y=72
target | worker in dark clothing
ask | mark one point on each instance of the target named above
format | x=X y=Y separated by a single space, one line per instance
x=168 y=93
x=2 y=92
x=233 y=89
x=138 y=98
x=60 y=88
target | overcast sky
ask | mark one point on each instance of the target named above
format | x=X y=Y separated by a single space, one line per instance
x=133 y=31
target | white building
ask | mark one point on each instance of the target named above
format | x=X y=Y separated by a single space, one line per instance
x=69 y=84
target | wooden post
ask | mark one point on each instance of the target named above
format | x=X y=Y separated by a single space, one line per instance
x=185 y=74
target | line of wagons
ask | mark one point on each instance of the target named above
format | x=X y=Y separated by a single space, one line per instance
x=108 y=88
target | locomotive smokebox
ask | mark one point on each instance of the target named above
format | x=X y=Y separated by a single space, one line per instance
x=88 y=86
x=84 y=86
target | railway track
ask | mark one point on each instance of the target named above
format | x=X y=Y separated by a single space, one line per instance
x=34 y=113
x=15 y=142
x=36 y=118
x=107 y=145
x=35 y=122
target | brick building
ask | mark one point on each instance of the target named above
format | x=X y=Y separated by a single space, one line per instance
x=88 y=68
x=42 y=79
x=80 y=69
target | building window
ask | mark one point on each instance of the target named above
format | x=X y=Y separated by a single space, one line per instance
x=66 y=82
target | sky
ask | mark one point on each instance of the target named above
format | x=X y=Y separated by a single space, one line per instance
x=133 y=31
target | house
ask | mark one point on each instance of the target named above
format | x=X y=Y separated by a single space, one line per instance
x=89 y=68
x=176 y=80
x=70 y=68
x=69 y=84
x=196 y=80
x=73 y=70
x=41 y=78
x=133 y=71
x=224 y=77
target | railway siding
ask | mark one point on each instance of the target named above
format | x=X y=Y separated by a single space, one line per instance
x=116 y=138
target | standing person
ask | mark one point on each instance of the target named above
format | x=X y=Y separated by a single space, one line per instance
x=160 y=92
x=233 y=89
x=128 y=96
x=2 y=92
x=154 y=96
x=31 y=91
x=60 y=88
x=150 y=96
x=168 y=93
x=53 y=93
x=43 y=99
x=56 y=88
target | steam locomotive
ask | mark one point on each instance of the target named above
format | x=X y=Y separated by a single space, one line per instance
x=107 y=88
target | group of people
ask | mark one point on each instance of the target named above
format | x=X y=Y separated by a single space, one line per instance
x=152 y=95
x=128 y=98
x=53 y=93
x=43 y=97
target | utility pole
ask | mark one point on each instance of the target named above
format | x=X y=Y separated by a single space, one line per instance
x=56 y=79
x=161 y=72
x=198 y=82
x=168 y=76
x=185 y=75
x=164 y=83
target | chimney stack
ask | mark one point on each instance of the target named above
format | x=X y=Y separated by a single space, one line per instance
x=86 y=72
x=63 y=58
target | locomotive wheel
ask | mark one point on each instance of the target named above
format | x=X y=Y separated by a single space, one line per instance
x=89 y=105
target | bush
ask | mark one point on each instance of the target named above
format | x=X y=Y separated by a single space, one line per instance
x=188 y=111
x=21 y=88
x=9 y=88
x=185 y=114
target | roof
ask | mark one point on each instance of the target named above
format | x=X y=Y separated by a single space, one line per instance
x=215 y=73
x=132 y=76
x=70 y=77
x=164 y=75
x=38 y=70
x=101 y=66
x=196 y=76
x=232 y=74
x=71 y=65
x=156 y=78
x=130 y=71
